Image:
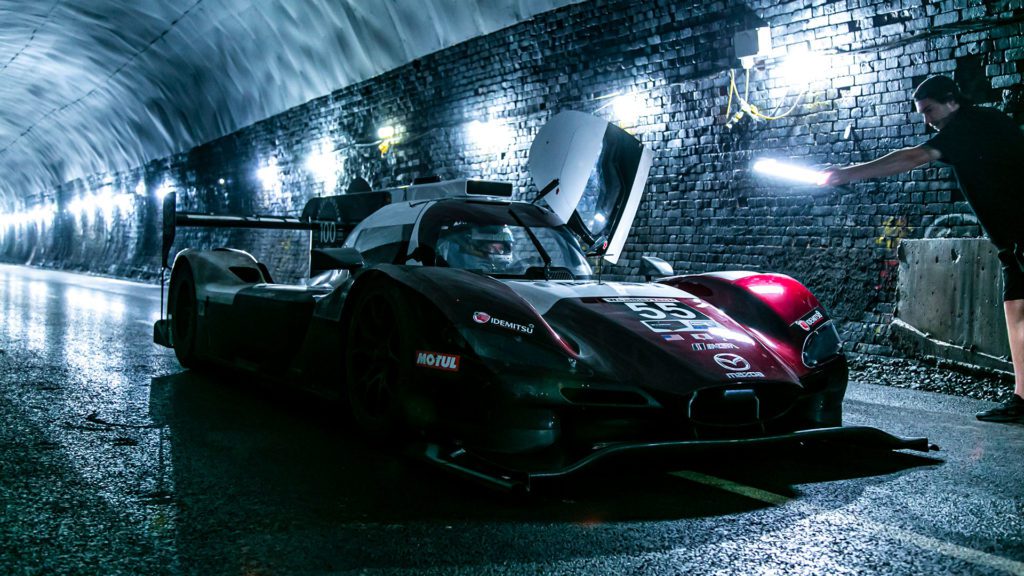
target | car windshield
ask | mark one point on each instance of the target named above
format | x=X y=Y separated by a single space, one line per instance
x=490 y=239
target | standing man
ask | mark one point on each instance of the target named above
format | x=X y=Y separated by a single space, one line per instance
x=986 y=150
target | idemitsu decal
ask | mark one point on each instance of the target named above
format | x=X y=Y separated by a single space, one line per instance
x=808 y=321
x=485 y=318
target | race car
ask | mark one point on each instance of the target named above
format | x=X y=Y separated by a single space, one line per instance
x=449 y=317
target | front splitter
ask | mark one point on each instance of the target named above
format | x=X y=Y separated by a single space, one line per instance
x=494 y=473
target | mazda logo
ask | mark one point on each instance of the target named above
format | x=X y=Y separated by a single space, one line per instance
x=732 y=362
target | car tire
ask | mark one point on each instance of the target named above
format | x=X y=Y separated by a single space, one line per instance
x=182 y=310
x=378 y=363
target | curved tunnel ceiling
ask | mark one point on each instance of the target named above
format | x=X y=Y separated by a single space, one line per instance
x=92 y=86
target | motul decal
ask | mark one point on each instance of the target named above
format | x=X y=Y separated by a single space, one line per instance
x=808 y=321
x=485 y=318
x=437 y=361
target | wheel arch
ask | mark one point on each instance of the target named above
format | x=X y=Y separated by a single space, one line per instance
x=776 y=306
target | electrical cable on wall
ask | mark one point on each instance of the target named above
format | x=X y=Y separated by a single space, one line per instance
x=745 y=107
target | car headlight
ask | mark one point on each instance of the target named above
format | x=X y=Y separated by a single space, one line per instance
x=821 y=345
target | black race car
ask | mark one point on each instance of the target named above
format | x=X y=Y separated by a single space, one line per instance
x=448 y=316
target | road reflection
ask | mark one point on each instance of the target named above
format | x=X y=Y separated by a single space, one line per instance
x=279 y=481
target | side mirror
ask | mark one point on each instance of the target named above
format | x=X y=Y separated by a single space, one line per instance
x=651 y=266
x=321 y=259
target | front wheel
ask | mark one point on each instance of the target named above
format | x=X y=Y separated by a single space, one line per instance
x=378 y=363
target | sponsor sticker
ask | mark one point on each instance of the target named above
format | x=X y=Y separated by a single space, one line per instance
x=485 y=318
x=665 y=315
x=737 y=375
x=627 y=299
x=661 y=326
x=810 y=320
x=703 y=336
x=673 y=337
x=437 y=360
x=714 y=346
x=733 y=362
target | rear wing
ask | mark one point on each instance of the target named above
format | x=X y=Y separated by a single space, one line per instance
x=329 y=220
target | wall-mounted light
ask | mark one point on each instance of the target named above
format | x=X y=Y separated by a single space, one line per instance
x=77 y=207
x=490 y=137
x=388 y=136
x=105 y=202
x=270 y=176
x=165 y=188
x=801 y=69
x=43 y=215
x=324 y=164
x=627 y=109
x=124 y=203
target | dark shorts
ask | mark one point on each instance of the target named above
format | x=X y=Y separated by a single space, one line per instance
x=1013 y=273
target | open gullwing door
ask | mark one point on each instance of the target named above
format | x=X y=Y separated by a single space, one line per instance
x=601 y=171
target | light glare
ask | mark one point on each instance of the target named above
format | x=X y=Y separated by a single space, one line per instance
x=270 y=176
x=801 y=69
x=772 y=167
x=323 y=164
x=627 y=109
x=164 y=190
x=491 y=136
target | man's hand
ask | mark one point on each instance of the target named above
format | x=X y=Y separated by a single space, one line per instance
x=834 y=176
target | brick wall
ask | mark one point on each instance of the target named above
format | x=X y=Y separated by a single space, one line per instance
x=704 y=210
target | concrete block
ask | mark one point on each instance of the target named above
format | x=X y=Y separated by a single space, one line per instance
x=949 y=302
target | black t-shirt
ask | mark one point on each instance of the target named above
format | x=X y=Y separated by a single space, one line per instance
x=986 y=150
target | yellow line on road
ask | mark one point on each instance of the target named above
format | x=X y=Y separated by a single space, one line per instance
x=931 y=544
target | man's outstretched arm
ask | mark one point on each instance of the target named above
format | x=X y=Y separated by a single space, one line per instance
x=892 y=163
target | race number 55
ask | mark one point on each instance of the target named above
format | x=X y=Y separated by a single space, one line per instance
x=661 y=310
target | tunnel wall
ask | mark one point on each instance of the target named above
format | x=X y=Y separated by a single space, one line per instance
x=704 y=209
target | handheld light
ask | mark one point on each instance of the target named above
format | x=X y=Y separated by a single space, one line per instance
x=772 y=167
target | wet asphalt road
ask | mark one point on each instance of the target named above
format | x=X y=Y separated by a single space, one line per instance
x=115 y=461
